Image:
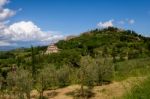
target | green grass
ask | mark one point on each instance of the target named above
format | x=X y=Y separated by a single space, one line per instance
x=141 y=91
x=132 y=68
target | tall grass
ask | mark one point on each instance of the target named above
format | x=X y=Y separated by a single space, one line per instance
x=141 y=91
x=130 y=68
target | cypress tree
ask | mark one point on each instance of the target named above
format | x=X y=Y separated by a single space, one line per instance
x=33 y=62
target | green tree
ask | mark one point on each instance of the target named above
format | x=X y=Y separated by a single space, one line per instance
x=1 y=81
x=46 y=79
x=105 y=52
x=33 y=62
x=114 y=54
x=63 y=75
x=105 y=70
x=20 y=81
x=1 y=84
x=86 y=73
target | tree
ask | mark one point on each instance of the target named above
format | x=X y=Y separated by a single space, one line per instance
x=63 y=75
x=1 y=81
x=33 y=62
x=104 y=71
x=1 y=84
x=114 y=54
x=46 y=79
x=20 y=81
x=105 y=52
x=86 y=73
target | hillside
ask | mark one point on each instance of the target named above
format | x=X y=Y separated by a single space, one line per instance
x=117 y=43
x=106 y=38
x=92 y=59
x=110 y=42
x=120 y=44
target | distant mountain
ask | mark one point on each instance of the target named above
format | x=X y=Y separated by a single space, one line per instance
x=6 y=48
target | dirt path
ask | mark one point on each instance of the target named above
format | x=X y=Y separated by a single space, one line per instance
x=116 y=89
x=113 y=90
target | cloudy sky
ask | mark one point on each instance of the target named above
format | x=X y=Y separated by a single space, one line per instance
x=39 y=22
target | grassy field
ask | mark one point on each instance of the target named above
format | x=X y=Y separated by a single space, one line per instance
x=131 y=68
x=135 y=68
x=141 y=91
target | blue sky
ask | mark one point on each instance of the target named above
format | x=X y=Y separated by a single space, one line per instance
x=71 y=17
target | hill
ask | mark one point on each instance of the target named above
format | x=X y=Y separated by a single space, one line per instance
x=94 y=58
x=116 y=43
x=110 y=42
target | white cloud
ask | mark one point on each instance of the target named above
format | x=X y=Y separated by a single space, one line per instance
x=6 y=13
x=27 y=31
x=121 y=22
x=131 y=21
x=105 y=24
x=3 y=2
x=126 y=21
x=23 y=32
x=2 y=25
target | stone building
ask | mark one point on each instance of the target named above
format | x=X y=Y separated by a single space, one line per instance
x=52 y=49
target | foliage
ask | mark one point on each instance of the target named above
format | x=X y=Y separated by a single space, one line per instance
x=20 y=81
x=94 y=71
x=63 y=75
x=46 y=78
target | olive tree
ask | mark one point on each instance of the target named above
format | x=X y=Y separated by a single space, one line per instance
x=20 y=82
x=86 y=72
x=95 y=71
x=104 y=70
x=63 y=76
x=46 y=79
x=1 y=86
